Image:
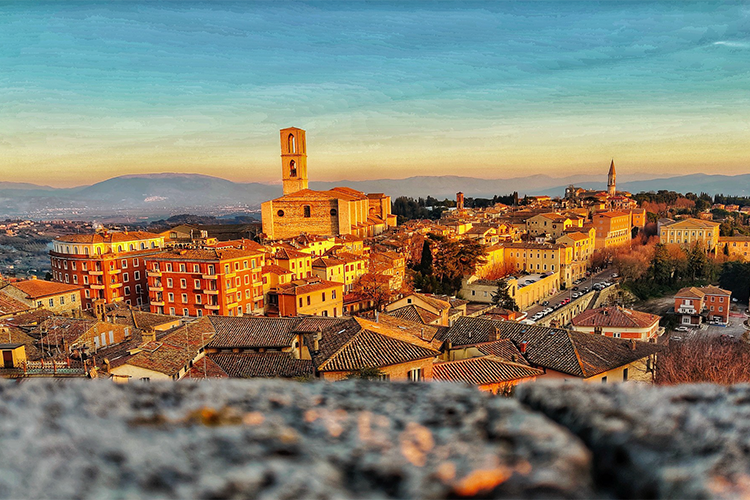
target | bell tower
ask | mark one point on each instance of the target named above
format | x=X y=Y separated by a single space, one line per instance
x=293 y=159
x=611 y=189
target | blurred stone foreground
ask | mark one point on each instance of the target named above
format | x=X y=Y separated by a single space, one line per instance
x=276 y=439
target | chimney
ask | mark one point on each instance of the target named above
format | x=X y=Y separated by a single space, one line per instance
x=632 y=344
x=377 y=316
x=522 y=346
x=316 y=339
x=149 y=335
x=421 y=334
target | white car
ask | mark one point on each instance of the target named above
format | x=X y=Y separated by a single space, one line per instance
x=682 y=329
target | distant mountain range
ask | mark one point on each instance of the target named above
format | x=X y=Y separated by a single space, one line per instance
x=164 y=193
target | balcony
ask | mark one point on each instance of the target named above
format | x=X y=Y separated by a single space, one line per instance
x=687 y=310
x=96 y=273
x=115 y=271
x=153 y=274
x=230 y=275
x=232 y=290
x=97 y=286
x=115 y=285
x=233 y=305
x=157 y=288
x=211 y=292
x=158 y=303
x=211 y=307
x=208 y=276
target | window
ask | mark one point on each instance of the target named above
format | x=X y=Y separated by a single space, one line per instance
x=333 y=294
x=171 y=297
x=124 y=264
x=280 y=213
x=138 y=289
x=306 y=210
x=183 y=268
x=127 y=290
x=184 y=298
x=135 y=262
x=200 y=313
x=72 y=297
x=616 y=335
x=416 y=374
x=244 y=264
x=62 y=300
x=196 y=268
x=300 y=301
x=252 y=263
x=604 y=380
x=75 y=278
x=169 y=267
x=171 y=311
x=125 y=277
x=226 y=268
x=137 y=275
x=185 y=311
x=183 y=283
x=292 y=169
x=198 y=298
x=625 y=375
x=308 y=300
x=334 y=212
x=197 y=284
x=170 y=283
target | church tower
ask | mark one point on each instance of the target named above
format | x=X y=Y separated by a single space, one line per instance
x=293 y=160
x=610 y=179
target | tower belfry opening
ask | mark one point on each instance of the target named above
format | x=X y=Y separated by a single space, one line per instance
x=293 y=160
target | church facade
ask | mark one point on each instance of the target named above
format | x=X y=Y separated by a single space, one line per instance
x=335 y=212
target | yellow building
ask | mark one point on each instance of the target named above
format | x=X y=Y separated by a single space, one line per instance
x=526 y=290
x=334 y=212
x=552 y=224
x=735 y=246
x=36 y=293
x=688 y=231
x=307 y=297
x=612 y=229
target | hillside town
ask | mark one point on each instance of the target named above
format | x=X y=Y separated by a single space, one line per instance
x=335 y=285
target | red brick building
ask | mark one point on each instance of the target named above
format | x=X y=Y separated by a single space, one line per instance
x=693 y=303
x=108 y=265
x=204 y=282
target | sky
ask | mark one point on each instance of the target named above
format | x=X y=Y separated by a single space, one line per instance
x=92 y=90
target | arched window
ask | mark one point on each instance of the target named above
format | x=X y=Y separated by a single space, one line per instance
x=292 y=143
x=75 y=250
x=292 y=169
x=119 y=248
x=132 y=247
x=99 y=250
x=86 y=250
x=143 y=246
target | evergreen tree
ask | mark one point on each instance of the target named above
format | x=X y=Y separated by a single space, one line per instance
x=501 y=297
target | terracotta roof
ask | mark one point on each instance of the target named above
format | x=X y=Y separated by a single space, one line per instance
x=714 y=290
x=35 y=288
x=690 y=292
x=415 y=313
x=205 y=368
x=615 y=317
x=203 y=254
x=308 y=285
x=274 y=269
x=575 y=353
x=262 y=365
x=14 y=335
x=482 y=370
x=252 y=332
x=504 y=349
x=175 y=350
x=327 y=262
x=9 y=305
x=289 y=253
x=438 y=304
x=110 y=237
x=59 y=329
x=361 y=343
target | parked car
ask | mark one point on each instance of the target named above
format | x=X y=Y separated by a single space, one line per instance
x=682 y=329
x=545 y=303
x=615 y=275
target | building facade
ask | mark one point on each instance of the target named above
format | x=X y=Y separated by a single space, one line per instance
x=109 y=266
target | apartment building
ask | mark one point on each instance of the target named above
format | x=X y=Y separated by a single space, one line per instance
x=206 y=281
x=109 y=266
x=612 y=229
x=308 y=296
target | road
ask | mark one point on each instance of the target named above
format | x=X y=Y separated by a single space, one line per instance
x=605 y=275
x=735 y=328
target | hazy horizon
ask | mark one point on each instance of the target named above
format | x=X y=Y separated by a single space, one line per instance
x=93 y=90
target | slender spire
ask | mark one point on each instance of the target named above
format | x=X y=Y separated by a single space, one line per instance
x=611 y=189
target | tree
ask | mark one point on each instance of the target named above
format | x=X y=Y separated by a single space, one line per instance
x=715 y=361
x=374 y=288
x=735 y=277
x=501 y=297
x=455 y=259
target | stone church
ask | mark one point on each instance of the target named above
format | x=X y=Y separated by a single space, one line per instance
x=335 y=212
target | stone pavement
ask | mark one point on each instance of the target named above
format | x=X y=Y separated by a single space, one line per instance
x=271 y=439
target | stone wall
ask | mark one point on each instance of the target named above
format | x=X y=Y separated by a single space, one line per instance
x=276 y=439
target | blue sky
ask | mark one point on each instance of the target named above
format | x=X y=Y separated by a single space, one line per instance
x=89 y=90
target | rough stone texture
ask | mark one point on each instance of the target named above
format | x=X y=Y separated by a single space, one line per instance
x=689 y=441
x=277 y=439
